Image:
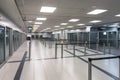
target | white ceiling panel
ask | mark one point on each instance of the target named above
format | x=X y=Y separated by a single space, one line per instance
x=68 y=9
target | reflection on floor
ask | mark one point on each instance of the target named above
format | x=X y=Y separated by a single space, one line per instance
x=43 y=66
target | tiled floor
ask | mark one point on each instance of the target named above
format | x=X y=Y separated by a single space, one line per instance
x=43 y=66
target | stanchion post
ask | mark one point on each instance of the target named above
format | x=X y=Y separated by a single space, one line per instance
x=97 y=45
x=29 y=49
x=104 y=48
x=55 y=51
x=119 y=67
x=89 y=69
x=109 y=48
x=74 y=49
x=85 y=48
x=61 y=50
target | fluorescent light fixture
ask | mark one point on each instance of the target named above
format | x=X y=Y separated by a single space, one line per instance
x=70 y=26
x=38 y=22
x=57 y=26
x=47 y=9
x=95 y=21
x=29 y=21
x=63 y=23
x=62 y=28
x=97 y=11
x=118 y=15
x=80 y=24
x=43 y=19
x=74 y=20
x=48 y=28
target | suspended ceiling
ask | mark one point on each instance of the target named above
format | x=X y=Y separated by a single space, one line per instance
x=66 y=10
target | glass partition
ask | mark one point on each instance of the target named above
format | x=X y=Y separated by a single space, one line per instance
x=7 y=43
x=103 y=37
x=112 y=38
x=2 y=44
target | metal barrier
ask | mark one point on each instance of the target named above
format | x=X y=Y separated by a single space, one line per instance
x=62 y=44
x=104 y=48
x=102 y=58
x=109 y=48
x=29 y=49
x=85 y=46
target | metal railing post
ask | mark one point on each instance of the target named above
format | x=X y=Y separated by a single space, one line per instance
x=97 y=45
x=30 y=50
x=109 y=48
x=74 y=50
x=85 y=48
x=55 y=51
x=119 y=68
x=89 y=69
x=61 y=50
x=104 y=48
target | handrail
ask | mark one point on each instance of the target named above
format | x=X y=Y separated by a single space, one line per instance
x=74 y=43
x=101 y=58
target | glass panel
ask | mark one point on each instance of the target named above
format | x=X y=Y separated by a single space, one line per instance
x=93 y=39
x=80 y=37
x=119 y=39
x=112 y=38
x=7 y=42
x=103 y=37
x=2 y=45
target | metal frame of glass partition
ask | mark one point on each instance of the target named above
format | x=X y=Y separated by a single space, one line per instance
x=109 y=37
x=7 y=36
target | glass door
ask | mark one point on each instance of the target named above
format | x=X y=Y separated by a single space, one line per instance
x=2 y=44
x=7 y=43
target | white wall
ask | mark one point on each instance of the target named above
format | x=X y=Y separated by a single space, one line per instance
x=5 y=22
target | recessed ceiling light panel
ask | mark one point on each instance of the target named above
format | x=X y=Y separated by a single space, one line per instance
x=62 y=28
x=95 y=21
x=43 y=19
x=57 y=26
x=63 y=23
x=38 y=22
x=80 y=24
x=47 y=9
x=29 y=21
x=118 y=15
x=70 y=26
x=74 y=20
x=97 y=11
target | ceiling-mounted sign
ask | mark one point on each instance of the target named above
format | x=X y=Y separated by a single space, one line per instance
x=30 y=28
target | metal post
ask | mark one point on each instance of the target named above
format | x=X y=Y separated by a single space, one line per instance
x=85 y=48
x=119 y=67
x=74 y=50
x=97 y=46
x=61 y=50
x=104 y=48
x=29 y=49
x=109 y=48
x=89 y=69
x=55 y=51
x=45 y=43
